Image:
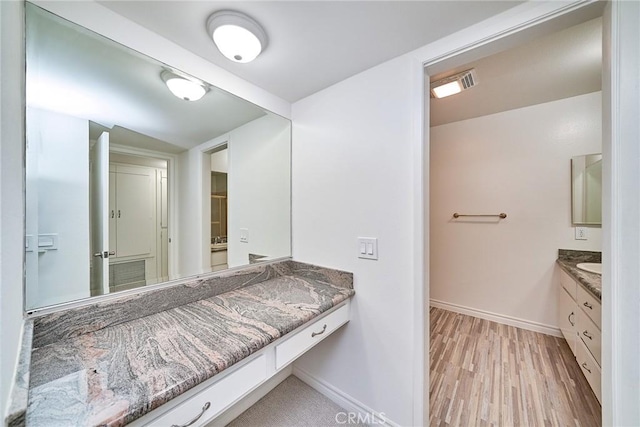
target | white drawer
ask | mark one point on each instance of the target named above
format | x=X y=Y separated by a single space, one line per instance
x=590 y=334
x=568 y=283
x=218 y=397
x=310 y=336
x=590 y=305
x=590 y=369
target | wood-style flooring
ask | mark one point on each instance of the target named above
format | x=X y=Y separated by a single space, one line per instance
x=488 y=374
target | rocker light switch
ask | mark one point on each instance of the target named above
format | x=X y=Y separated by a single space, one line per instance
x=368 y=247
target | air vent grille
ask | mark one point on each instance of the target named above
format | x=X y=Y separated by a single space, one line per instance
x=467 y=81
x=130 y=274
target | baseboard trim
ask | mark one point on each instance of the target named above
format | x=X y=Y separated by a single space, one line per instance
x=365 y=414
x=249 y=400
x=498 y=318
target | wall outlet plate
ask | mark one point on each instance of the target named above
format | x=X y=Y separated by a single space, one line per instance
x=581 y=233
x=244 y=235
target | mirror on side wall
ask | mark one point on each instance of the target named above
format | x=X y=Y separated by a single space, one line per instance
x=586 y=189
x=128 y=185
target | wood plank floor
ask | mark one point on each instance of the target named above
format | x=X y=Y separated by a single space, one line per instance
x=488 y=374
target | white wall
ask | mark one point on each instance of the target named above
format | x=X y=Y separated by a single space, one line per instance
x=11 y=188
x=220 y=161
x=354 y=170
x=517 y=162
x=194 y=254
x=258 y=189
x=57 y=187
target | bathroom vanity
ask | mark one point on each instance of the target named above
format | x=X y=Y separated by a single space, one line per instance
x=579 y=312
x=178 y=353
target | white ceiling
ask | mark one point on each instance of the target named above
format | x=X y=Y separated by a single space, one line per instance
x=73 y=71
x=561 y=65
x=312 y=44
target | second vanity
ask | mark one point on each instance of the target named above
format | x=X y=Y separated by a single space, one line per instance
x=151 y=359
x=580 y=313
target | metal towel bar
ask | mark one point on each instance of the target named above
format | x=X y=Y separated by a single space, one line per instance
x=501 y=215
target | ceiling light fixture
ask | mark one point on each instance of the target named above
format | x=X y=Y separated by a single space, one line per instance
x=237 y=36
x=182 y=87
x=454 y=84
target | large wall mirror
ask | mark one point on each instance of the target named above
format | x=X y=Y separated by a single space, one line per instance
x=128 y=185
x=586 y=189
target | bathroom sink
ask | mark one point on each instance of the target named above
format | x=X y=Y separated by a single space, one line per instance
x=591 y=267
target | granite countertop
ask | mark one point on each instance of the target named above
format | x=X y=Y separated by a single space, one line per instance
x=569 y=259
x=115 y=375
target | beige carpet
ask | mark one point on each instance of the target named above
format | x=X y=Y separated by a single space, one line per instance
x=293 y=404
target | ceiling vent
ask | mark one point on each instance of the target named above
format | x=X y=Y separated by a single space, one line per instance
x=454 y=84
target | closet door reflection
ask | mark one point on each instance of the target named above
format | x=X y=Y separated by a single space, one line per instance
x=138 y=227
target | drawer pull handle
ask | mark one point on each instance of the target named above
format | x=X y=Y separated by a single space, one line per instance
x=586 y=334
x=589 y=306
x=584 y=365
x=570 y=321
x=204 y=409
x=324 y=328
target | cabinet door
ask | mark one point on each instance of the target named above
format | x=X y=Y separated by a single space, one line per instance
x=567 y=311
x=112 y=212
x=134 y=214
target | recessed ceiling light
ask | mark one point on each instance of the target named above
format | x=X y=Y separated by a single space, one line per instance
x=454 y=84
x=182 y=87
x=447 y=89
x=237 y=36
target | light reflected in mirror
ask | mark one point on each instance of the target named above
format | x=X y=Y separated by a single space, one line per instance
x=586 y=189
x=128 y=185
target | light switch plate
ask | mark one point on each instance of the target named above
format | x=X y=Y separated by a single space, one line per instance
x=367 y=247
x=581 y=233
x=244 y=235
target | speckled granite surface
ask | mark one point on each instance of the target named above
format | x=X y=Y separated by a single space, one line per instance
x=114 y=375
x=20 y=392
x=73 y=322
x=592 y=282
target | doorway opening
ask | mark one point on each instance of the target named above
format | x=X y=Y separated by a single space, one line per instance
x=219 y=208
x=130 y=199
x=505 y=146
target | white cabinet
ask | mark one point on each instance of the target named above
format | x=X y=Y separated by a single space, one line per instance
x=218 y=260
x=289 y=350
x=590 y=335
x=579 y=316
x=206 y=405
x=131 y=210
x=591 y=370
x=567 y=317
x=209 y=399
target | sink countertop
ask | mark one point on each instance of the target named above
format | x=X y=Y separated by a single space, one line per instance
x=115 y=375
x=568 y=261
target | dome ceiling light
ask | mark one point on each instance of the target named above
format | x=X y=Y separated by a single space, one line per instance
x=237 y=36
x=183 y=87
